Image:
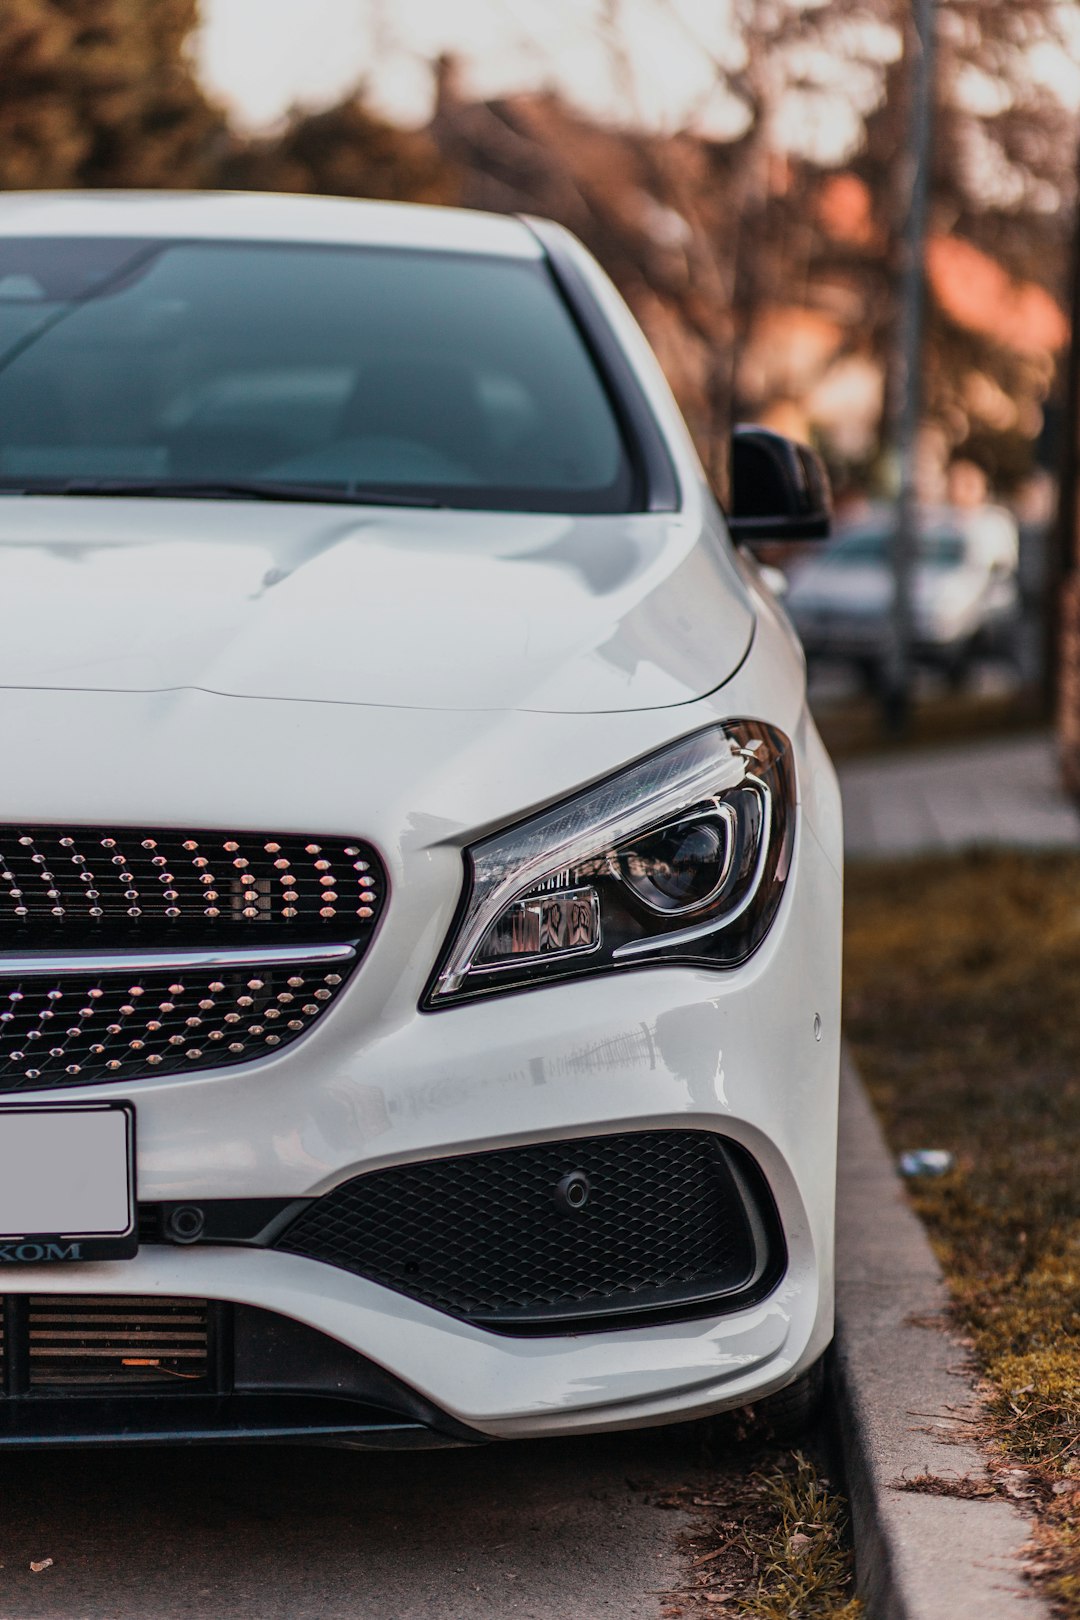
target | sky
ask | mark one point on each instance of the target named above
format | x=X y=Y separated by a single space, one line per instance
x=263 y=55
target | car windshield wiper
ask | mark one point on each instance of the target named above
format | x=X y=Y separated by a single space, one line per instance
x=226 y=489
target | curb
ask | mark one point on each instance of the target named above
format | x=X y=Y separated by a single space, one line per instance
x=899 y=1382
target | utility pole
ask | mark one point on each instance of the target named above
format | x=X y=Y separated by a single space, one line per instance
x=896 y=687
x=1060 y=558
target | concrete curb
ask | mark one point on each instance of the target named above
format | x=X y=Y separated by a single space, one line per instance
x=899 y=1386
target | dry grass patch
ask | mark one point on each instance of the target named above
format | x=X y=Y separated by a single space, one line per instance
x=854 y=726
x=963 y=1010
x=775 y=1549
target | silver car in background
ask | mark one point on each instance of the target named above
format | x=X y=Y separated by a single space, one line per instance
x=965 y=591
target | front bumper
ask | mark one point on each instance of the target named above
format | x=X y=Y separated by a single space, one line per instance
x=750 y=1054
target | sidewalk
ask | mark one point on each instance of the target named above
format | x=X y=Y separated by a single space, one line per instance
x=1005 y=792
x=903 y=1392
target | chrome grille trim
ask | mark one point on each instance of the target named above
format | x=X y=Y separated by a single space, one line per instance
x=102 y=962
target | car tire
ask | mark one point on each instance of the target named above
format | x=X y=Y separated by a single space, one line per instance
x=791 y=1411
x=784 y=1417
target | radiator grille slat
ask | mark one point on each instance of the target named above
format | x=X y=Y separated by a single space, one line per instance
x=116 y=1342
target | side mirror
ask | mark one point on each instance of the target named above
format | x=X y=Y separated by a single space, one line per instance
x=779 y=489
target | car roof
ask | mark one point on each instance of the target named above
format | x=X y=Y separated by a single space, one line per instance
x=263 y=216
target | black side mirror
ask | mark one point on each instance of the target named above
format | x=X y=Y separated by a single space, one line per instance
x=779 y=489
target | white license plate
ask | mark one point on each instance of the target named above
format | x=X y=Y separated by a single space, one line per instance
x=67 y=1182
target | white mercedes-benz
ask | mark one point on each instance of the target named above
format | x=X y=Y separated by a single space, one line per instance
x=419 y=871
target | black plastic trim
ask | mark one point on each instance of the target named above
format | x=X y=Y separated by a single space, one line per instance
x=674 y=1304
x=225 y=1220
x=154 y=1420
x=16 y=1345
x=771 y=1259
x=643 y=433
x=268 y=1378
x=275 y=1354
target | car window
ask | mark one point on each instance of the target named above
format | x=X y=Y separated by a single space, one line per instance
x=460 y=378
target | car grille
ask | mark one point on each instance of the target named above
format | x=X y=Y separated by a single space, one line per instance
x=78 y=885
x=77 y=1027
x=669 y=1221
x=101 y=1370
x=70 y=1341
x=126 y=952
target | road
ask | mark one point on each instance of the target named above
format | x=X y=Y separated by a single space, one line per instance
x=556 y=1530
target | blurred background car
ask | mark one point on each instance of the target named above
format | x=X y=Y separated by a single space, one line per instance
x=965 y=592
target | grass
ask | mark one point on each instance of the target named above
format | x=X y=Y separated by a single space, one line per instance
x=854 y=727
x=963 y=1011
x=775 y=1548
x=801 y=1552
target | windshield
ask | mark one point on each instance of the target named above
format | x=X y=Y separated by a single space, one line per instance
x=936 y=549
x=461 y=380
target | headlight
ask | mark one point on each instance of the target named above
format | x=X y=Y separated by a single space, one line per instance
x=681 y=858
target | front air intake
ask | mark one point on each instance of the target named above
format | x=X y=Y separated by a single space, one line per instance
x=123 y=1343
x=666 y=1223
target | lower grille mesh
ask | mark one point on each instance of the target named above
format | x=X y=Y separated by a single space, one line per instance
x=126 y=1342
x=489 y=1237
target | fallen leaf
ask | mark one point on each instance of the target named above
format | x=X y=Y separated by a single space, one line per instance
x=799 y=1544
x=44 y=1563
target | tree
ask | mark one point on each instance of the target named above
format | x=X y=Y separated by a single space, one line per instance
x=1001 y=188
x=826 y=89
x=346 y=151
x=102 y=93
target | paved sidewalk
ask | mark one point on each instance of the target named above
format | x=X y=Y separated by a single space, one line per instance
x=952 y=798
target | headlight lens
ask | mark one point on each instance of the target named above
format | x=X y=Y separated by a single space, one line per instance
x=681 y=858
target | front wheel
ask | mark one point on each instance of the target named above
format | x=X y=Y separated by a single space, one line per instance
x=784 y=1417
x=797 y=1407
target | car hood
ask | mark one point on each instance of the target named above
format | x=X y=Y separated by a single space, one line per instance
x=416 y=609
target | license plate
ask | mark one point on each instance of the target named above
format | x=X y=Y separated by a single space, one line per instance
x=67 y=1182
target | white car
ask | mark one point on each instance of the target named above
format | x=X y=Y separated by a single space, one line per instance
x=419 y=871
x=965 y=591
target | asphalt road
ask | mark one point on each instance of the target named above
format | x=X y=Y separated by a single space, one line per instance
x=555 y=1530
